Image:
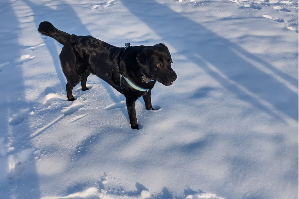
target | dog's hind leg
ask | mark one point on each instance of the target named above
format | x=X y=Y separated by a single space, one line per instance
x=69 y=93
x=68 y=61
x=84 y=80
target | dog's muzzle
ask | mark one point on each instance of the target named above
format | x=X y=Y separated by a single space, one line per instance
x=172 y=78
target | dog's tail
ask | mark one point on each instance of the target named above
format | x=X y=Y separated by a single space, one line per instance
x=46 y=28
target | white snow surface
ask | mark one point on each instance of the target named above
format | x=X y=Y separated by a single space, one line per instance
x=226 y=129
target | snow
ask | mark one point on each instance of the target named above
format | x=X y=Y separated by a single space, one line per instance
x=227 y=127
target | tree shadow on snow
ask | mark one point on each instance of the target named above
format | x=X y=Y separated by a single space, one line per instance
x=20 y=179
x=235 y=69
x=211 y=51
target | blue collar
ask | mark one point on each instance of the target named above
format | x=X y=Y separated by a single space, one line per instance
x=132 y=84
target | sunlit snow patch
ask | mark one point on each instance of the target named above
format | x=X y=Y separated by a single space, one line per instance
x=23 y=58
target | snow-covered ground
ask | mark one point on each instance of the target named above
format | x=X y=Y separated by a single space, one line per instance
x=226 y=129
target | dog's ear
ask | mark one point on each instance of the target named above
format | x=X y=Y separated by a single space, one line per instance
x=163 y=46
x=144 y=58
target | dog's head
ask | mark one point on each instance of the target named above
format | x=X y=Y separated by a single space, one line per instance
x=155 y=63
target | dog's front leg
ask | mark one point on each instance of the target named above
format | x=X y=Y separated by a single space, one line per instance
x=132 y=113
x=147 y=100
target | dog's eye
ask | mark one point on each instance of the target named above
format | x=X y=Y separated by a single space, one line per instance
x=159 y=65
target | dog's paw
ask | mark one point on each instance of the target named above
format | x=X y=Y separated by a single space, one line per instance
x=85 y=89
x=71 y=99
x=149 y=108
x=153 y=108
x=135 y=127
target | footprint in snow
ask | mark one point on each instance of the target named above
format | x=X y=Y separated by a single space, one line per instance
x=252 y=5
x=24 y=58
x=72 y=109
x=75 y=106
x=76 y=118
x=273 y=18
x=53 y=97
x=121 y=104
x=293 y=27
x=66 y=110
x=156 y=108
x=17 y=163
x=281 y=9
x=18 y=117
x=105 y=5
x=35 y=47
x=289 y=26
x=17 y=170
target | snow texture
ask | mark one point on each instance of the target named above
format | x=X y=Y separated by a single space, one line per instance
x=226 y=129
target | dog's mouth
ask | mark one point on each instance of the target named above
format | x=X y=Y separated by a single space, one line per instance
x=170 y=80
x=170 y=83
x=166 y=80
x=165 y=83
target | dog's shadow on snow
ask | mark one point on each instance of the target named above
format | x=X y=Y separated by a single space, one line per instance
x=210 y=51
x=102 y=138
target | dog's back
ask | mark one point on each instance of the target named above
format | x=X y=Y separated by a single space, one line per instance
x=84 y=53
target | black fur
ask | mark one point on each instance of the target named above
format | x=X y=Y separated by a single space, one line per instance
x=85 y=55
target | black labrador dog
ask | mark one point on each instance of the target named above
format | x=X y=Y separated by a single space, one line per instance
x=133 y=71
